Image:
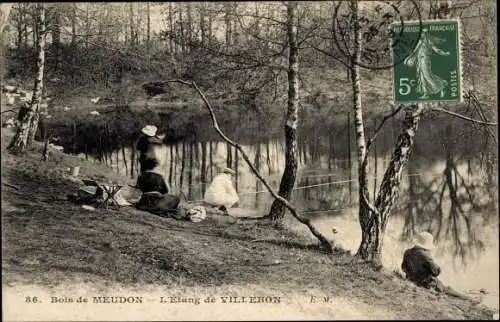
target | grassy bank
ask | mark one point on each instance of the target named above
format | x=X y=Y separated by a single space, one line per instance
x=49 y=242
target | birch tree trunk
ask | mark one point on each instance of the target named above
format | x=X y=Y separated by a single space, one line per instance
x=29 y=115
x=363 y=192
x=277 y=211
x=375 y=222
x=374 y=229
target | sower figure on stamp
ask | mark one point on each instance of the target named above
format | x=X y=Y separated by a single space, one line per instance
x=420 y=267
x=428 y=83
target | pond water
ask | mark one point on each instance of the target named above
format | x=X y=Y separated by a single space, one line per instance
x=326 y=190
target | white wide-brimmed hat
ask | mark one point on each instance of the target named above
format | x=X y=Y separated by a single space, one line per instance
x=425 y=240
x=149 y=130
x=229 y=171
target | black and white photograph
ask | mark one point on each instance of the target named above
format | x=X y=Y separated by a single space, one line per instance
x=248 y=160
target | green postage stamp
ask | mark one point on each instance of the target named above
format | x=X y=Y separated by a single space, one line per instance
x=427 y=62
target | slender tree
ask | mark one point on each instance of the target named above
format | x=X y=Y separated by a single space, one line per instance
x=171 y=28
x=56 y=35
x=148 y=31
x=358 y=118
x=131 y=23
x=228 y=21
x=29 y=115
x=277 y=211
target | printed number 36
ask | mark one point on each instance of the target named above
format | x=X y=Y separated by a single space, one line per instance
x=405 y=85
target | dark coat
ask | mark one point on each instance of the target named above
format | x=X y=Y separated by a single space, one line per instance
x=419 y=266
x=160 y=204
x=151 y=181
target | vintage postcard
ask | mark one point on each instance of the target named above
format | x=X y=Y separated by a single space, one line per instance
x=247 y=160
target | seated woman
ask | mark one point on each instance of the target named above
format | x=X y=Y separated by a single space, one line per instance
x=221 y=193
x=155 y=197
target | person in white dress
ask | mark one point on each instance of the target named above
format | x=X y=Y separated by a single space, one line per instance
x=221 y=193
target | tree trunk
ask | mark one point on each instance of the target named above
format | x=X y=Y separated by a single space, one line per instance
x=87 y=25
x=137 y=25
x=100 y=20
x=374 y=228
x=25 y=27
x=234 y=25
x=131 y=23
x=73 y=24
x=202 y=9
x=227 y=20
x=73 y=42
x=181 y=24
x=363 y=213
x=171 y=26
x=189 y=27
x=19 y=25
x=56 y=37
x=209 y=28
x=277 y=211
x=148 y=31
x=29 y=116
